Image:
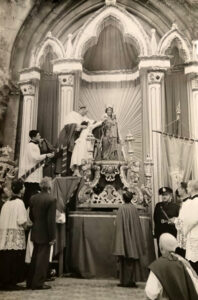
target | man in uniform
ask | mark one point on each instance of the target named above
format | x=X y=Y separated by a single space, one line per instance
x=163 y=212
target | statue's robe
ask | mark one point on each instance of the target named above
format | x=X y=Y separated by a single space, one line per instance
x=107 y=144
x=129 y=243
x=174 y=278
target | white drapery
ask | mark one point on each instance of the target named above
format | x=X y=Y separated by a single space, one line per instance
x=126 y=100
x=178 y=155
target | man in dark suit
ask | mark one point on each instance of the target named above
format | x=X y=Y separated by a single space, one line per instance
x=43 y=216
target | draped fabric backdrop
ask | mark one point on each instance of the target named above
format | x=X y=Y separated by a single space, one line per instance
x=47 y=122
x=178 y=160
x=112 y=51
x=114 y=54
x=126 y=100
x=177 y=153
x=175 y=96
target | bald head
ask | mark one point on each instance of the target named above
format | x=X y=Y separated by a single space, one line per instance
x=193 y=187
x=167 y=243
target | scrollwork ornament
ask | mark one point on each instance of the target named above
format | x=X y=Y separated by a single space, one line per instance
x=67 y=79
x=28 y=89
x=155 y=77
x=110 y=172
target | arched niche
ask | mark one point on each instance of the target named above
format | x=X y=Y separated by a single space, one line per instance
x=183 y=44
x=128 y=24
x=112 y=51
x=39 y=52
x=112 y=82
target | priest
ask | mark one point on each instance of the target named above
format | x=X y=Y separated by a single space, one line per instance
x=128 y=242
x=171 y=276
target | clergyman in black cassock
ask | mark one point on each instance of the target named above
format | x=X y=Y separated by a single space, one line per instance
x=43 y=216
x=128 y=242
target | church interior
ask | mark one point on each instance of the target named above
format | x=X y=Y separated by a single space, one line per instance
x=137 y=57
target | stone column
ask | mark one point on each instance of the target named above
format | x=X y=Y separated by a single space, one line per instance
x=66 y=99
x=69 y=73
x=29 y=84
x=192 y=71
x=193 y=111
x=155 y=86
x=152 y=70
x=29 y=118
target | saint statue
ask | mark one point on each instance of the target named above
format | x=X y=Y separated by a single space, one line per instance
x=109 y=137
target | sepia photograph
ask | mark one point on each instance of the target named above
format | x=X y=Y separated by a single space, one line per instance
x=99 y=149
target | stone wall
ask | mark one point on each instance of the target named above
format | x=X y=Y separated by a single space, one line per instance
x=12 y=16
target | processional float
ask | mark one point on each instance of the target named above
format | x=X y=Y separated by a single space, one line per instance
x=105 y=180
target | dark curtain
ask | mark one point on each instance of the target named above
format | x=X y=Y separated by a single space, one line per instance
x=175 y=93
x=48 y=107
x=47 y=122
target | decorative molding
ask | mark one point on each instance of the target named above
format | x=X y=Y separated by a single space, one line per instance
x=155 y=77
x=110 y=76
x=30 y=74
x=28 y=89
x=38 y=52
x=67 y=79
x=153 y=42
x=69 y=47
x=182 y=42
x=127 y=23
x=191 y=68
x=154 y=62
x=110 y=2
x=194 y=83
x=195 y=50
x=67 y=65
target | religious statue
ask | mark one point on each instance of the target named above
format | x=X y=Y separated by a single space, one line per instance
x=109 y=140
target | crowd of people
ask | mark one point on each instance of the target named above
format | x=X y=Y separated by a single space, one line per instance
x=28 y=223
x=14 y=227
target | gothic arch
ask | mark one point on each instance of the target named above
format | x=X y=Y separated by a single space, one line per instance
x=130 y=27
x=183 y=44
x=38 y=52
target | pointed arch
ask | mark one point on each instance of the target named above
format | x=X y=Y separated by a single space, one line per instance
x=38 y=52
x=183 y=44
x=128 y=24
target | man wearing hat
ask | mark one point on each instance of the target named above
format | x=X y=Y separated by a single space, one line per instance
x=163 y=212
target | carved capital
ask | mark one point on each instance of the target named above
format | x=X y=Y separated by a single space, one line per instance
x=154 y=62
x=28 y=89
x=155 y=77
x=194 y=83
x=192 y=68
x=67 y=79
